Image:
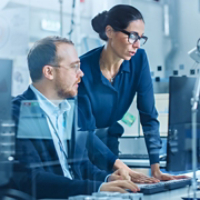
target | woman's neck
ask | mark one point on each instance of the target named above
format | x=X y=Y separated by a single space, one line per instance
x=109 y=63
x=110 y=60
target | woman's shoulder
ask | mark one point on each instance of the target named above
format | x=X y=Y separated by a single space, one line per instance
x=89 y=61
x=94 y=53
x=140 y=58
x=140 y=53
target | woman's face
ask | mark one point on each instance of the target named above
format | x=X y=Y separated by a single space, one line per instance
x=120 y=44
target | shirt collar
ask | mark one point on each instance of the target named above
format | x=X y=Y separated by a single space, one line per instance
x=48 y=106
x=125 y=66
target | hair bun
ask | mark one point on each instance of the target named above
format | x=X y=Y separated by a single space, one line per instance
x=99 y=22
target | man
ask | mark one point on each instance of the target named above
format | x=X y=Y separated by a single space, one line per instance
x=55 y=72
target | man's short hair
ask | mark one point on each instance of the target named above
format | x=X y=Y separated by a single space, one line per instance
x=44 y=53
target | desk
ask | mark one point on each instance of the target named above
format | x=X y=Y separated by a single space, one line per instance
x=171 y=195
x=168 y=195
x=176 y=194
x=141 y=163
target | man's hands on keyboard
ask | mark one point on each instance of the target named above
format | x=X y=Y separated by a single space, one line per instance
x=120 y=186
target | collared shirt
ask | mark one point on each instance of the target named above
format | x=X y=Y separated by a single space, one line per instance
x=109 y=102
x=56 y=117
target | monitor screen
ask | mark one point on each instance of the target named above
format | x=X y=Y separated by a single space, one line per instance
x=5 y=89
x=179 y=144
x=6 y=129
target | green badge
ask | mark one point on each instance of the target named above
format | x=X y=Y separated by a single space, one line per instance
x=128 y=119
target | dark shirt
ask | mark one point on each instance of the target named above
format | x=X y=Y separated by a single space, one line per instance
x=109 y=102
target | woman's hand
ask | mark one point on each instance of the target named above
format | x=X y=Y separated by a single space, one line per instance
x=138 y=177
x=120 y=174
x=156 y=173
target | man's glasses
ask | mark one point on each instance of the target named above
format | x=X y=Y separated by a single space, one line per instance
x=74 y=67
x=134 y=37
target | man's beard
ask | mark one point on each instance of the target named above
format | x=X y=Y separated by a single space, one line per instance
x=63 y=93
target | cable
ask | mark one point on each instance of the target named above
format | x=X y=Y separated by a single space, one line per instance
x=61 y=17
x=198 y=45
x=72 y=19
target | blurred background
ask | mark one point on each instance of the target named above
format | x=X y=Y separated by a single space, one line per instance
x=172 y=27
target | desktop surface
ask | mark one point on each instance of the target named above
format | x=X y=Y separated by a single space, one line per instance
x=164 y=186
x=177 y=194
x=141 y=163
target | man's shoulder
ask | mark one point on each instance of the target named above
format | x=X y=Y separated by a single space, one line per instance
x=24 y=96
x=16 y=101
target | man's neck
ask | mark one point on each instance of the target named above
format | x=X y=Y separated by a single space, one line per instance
x=48 y=92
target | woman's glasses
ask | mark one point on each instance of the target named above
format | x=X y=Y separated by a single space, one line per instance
x=134 y=37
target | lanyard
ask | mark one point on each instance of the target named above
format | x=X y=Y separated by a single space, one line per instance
x=61 y=146
x=56 y=133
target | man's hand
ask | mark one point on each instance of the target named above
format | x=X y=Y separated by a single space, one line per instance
x=120 y=174
x=119 y=186
x=156 y=173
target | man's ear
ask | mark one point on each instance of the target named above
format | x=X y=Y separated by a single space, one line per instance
x=109 y=31
x=48 y=72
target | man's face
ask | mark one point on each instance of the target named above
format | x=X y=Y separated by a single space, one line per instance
x=68 y=74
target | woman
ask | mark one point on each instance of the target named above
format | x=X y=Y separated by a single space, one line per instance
x=114 y=73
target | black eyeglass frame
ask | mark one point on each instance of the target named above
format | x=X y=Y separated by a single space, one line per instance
x=136 y=34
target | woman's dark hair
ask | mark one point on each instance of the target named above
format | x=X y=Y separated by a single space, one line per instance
x=118 y=17
x=44 y=52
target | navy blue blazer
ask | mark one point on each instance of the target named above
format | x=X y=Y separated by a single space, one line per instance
x=42 y=170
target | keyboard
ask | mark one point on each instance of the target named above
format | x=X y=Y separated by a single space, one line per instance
x=163 y=186
x=109 y=196
x=133 y=156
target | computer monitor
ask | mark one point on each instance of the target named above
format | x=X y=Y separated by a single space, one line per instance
x=179 y=143
x=6 y=125
x=33 y=123
x=5 y=89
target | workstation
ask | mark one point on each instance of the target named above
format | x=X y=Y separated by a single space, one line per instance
x=112 y=100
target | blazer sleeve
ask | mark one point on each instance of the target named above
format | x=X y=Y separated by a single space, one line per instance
x=147 y=111
x=46 y=184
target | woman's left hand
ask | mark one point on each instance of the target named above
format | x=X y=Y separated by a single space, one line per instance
x=166 y=177
x=120 y=174
x=138 y=177
x=156 y=173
